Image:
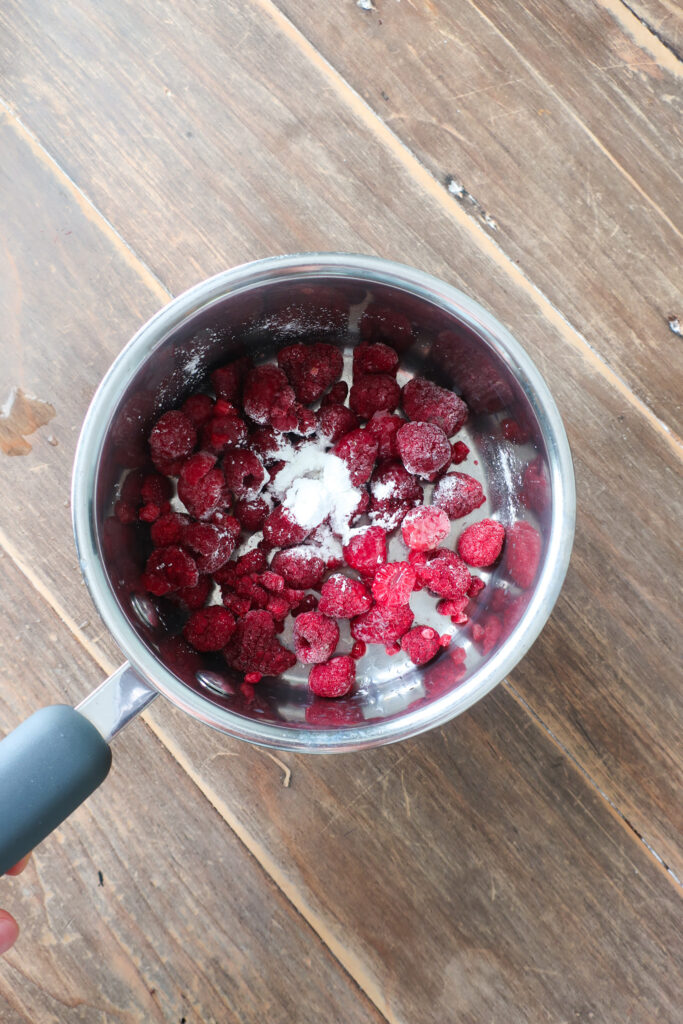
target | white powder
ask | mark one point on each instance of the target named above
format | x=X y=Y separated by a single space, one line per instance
x=383 y=489
x=314 y=485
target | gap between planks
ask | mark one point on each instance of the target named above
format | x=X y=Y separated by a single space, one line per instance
x=419 y=173
x=644 y=34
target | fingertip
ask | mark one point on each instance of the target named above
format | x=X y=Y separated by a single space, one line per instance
x=19 y=867
x=9 y=931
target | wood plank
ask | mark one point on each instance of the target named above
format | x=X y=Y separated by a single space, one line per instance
x=662 y=18
x=144 y=905
x=530 y=125
x=615 y=623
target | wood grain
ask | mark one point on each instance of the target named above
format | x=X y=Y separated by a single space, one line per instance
x=615 y=624
x=522 y=113
x=663 y=18
x=144 y=906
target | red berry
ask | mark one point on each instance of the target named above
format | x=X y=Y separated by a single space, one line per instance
x=266 y=443
x=210 y=546
x=196 y=467
x=336 y=421
x=458 y=494
x=382 y=625
x=421 y=644
x=444 y=574
x=209 y=629
x=301 y=567
x=227 y=380
x=169 y=569
x=311 y=369
x=244 y=473
x=459 y=452
x=252 y=514
x=358 y=649
x=481 y=543
x=522 y=553
x=336 y=395
x=194 y=597
x=423 y=447
x=315 y=637
x=454 y=607
x=358 y=450
x=238 y=604
x=384 y=426
x=168 y=529
x=222 y=432
x=266 y=388
x=343 y=597
x=393 y=584
x=308 y=603
x=424 y=528
x=366 y=551
x=372 y=393
x=389 y=514
x=254 y=646
x=334 y=678
x=423 y=400
x=281 y=530
x=205 y=497
x=392 y=482
x=253 y=562
x=198 y=407
x=374 y=358
x=475 y=587
x=173 y=436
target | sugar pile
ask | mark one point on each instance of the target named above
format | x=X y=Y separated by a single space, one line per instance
x=315 y=485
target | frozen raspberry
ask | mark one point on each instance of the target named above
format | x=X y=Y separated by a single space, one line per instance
x=155 y=489
x=389 y=514
x=379 y=323
x=458 y=494
x=227 y=380
x=336 y=395
x=487 y=633
x=244 y=473
x=210 y=546
x=196 y=467
x=358 y=449
x=384 y=426
x=254 y=646
x=334 y=678
x=226 y=575
x=372 y=393
x=424 y=528
x=358 y=649
x=454 y=607
x=374 y=358
x=272 y=581
x=149 y=513
x=393 y=584
x=198 y=408
x=204 y=497
x=481 y=543
x=382 y=625
x=301 y=567
x=366 y=551
x=168 y=529
x=311 y=369
x=315 y=638
x=223 y=408
x=423 y=447
x=221 y=432
x=169 y=569
x=362 y=506
x=281 y=530
x=522 y=553
x=266 y=443
x=285 y=411
x=344 y=597
x=130 y=497
x=308 y=603
x=266 y=388
x=444 y=574
x=306 y=422
x=209 y=629
x=278 y=608
x=459 y=452
x=249 y=586
x=475 y=587
x=421 y=644
x=252 y=514
x=423 y=400
x=253 y=562
x=194 y=597
x=238 y=604
x=173 y=436
x=392 y=482
x=336 y=421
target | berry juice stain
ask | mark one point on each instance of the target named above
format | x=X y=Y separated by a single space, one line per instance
x=22 y=414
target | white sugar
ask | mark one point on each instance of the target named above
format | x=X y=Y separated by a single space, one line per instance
x=315 y=485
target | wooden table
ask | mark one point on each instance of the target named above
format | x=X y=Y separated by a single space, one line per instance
x=521 y=864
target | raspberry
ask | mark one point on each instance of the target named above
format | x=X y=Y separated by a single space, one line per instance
x=444 y=574
x=392 y=482
x=278 y=608
x=374 y=358
x=210 y=546
x=249 y=586
x=169 y=569
x=522 y=553
x=459 y=452
x=281 y=530
x=423 y=400
x=315 y=637
x=343 y=597
x=384 y=426
x=373 y=393
x=198 y=408
x=254 y=646
x=311 y=369
x=205 y=497
x=227 y=380
x=382 y=625
x=336 y=421
x=358 y=649
x=221 y=432
x=475 y=587
x=366 y=551
x=458 y=494
x=168 y=529
x=306 y=422
x=487 y=634
x=155 y=489
x=252 y=514
x=209 y=629
x=393 y=584
x=336 y=395
x=253 y=561
x=362 y=506
x=481 y=543
x=358 y=449
x=173 y=436
x=334 y=678
x=272 y=581
x=308 y=603
x=266 y=388
x=300 y=567
x=195 y=597
x=421 y=644
x=238 y=604
x=244 y=473
x=423 y=447
x=265 y=442
x=379 y=323
x=454 y=608
x=424 y=527
x=196 y=467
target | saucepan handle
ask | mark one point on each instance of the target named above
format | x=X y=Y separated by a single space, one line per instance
x=57 y=758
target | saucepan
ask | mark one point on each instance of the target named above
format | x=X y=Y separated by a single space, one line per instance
x=518 y=450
